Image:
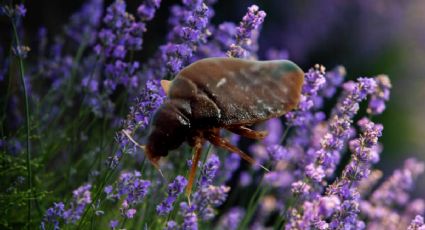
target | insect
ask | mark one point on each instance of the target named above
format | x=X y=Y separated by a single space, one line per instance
x=221 y=93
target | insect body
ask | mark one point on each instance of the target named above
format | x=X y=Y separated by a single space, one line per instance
x=216 y=93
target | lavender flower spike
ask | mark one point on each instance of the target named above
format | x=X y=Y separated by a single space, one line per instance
x=245 y=32
x=380 y=96
x=175 y=188
x=190 y=30
x=190 y=219
x=417 y=223
x=53 y=216
x=81 y=198
x=339 y=128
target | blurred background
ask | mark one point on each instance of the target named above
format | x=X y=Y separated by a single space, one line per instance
x=367 y=37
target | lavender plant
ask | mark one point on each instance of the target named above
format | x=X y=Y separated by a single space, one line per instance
x=85 y=128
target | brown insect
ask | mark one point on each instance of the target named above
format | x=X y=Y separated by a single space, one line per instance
x=216 y=93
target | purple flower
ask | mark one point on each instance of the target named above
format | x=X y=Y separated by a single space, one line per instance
x=209 y=170
x=130 y=213
x=334 y=79
x=274 y=128
x=175 y=188
x=245 y=44
x=417 y=223
x=231 y=219
x=146 y=11
x=340 y=124
x=207 y=198
x=395 y=189
x=190 y=219
x=15 y=13
x=113 y=224
x=189 y=32
x=300 y=188
x=53 y=216
x=140 y=113
x=83 y=24
x=277 y=152
x=380 y=96
x=171 y=225
x=329 y=205
x=231 y=164
x=131 y=185
x=81 y=198
x=314 y=80
x=20 y=10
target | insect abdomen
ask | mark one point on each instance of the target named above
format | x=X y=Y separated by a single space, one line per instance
x=244 y=91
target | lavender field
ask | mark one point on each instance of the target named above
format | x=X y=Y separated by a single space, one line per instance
x=80 y=83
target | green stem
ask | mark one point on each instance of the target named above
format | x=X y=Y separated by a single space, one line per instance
x=27 y=125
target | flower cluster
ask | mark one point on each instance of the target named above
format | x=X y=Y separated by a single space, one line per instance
x=80 y=200
x=246 y=32
x=321 y=155
x=132 y=188
x=174 y=190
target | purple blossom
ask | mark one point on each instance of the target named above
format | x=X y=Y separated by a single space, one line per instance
x=113 y=224
x=190 y=219
x=171 y=225
x=81 y=198
x=231 y=219
x=417 y=223
x=277 y=152
x=131 y=184
x=146 y=11
x=300 y=188
x=175 y=188
x=231 y=164
x=340 y=125
x=380 y=96
x=314 y=80
x=189 y=24
x=19 y=11
x=209 y=171
x=246 y=32
x=357 y=169
x=334 y=79
x=140 y=113
x=274 y=128
x=53 y=216
x=205 y=199
x=83 y=24
x=130 y=213
x=395 y=189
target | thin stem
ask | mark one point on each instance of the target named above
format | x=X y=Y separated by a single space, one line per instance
x=27 y=125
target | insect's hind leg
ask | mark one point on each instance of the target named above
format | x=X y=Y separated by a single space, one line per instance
x=197 y=149
x=215 y=139
x=247 y=132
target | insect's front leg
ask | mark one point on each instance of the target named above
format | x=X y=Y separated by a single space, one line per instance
x=247 y=132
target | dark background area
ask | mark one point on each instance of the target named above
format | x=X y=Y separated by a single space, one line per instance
x=368 y=38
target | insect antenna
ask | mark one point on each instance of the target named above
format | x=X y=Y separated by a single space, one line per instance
x=127 y=134
x=132 y=140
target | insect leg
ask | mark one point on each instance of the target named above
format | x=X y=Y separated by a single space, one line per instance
x=195 y=160
x=247 y=132
x=225 y=144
